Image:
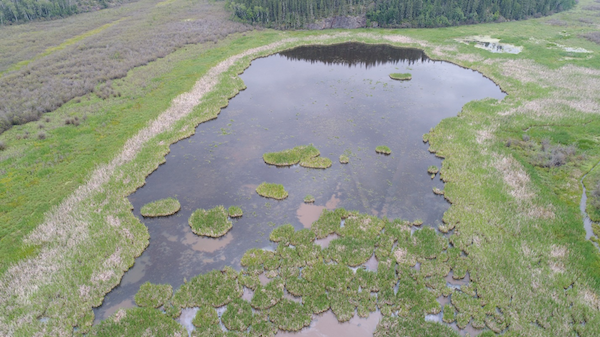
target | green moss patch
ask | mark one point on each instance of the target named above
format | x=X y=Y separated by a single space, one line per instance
x=401 y=76
x=274 y=191
x=206 y=316
x=282 y=234
x=162 y=207
x=153 y=295
x=291 y=156
x=290 y=316
x=309 y=199
x=235 y=212
x=138 y=322
x=212 y=222
x=383 y=150
x=344 y=159
x=316 y=162
x=238 y=315
x=268 y=295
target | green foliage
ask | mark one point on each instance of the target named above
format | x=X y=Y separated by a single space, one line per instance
x=282 y=234
x=214 y=288
x=153 y=295
x=432 y=169
x=383 y=149
x=205 y=316
x=235 y=212
x=316 y=162
x=341 y=306
x=328 y=222
x=309 y=199
x=275 y=191
x=350 y=251
x=238 y=315
x=268 y=295
x=328 y=276
x=302 y=237
x=401 y=76
x=212 y=222
x=291 y=156
x=161 y=207
x=290 y=316
x=362 y=226
x=138 y=322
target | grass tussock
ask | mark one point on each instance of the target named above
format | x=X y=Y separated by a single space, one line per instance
x=162 y=207
x=344 y=159
x=153 y=295
x=235 y=211
x=205 y=316
x=432 y=169
x=309 y=199
x=316 y=162
x=274 y=191
x=138 y=322
x=238 y=315
x=383 y=150
x=291 y=156
x=212 y=222
x=401 y=76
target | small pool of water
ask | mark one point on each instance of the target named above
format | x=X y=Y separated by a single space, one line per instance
x=339 y=98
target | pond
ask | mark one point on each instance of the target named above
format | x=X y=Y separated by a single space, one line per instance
x=339 y=98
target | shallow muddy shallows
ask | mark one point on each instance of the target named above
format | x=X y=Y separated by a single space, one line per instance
x=339 y=98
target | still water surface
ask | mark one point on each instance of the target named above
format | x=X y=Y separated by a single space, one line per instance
x=339 y=98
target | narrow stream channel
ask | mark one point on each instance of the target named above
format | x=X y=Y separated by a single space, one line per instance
x=340 y=99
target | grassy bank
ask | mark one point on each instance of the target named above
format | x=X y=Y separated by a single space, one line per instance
x=516 y=220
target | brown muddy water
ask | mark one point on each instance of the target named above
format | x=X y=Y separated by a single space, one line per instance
x=339 y=98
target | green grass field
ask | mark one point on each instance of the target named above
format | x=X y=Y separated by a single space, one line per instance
x=67 y=233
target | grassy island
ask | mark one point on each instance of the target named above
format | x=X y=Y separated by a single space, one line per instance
x=153 y=295
x=162 y=207
x=316 y=162
x=401 y=76
x=309 y=199
x=432 y=169
x=383 y=150
x=291 y=156
x=235 y=212
x=274 y=191
x=344 y=159
x=212 y=222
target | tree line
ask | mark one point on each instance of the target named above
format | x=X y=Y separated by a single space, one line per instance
x=284 y=14
x=18 y=11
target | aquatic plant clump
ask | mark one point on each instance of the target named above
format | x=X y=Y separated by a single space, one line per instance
x=344 y=159
x=212 y=222
x=290 y=316
x=383 y=150
x=316 y=162
x=205 y=316
x=153 y=295
x=235 y=212
x=401 y=76
x=215 y=288
x=162 y=207
x=432 y=169
x=138 y=322
x=274 y=191
x=268 y=295
x=329 y=222
x=283 y=234
x=309 y=199
x=291 y=156
x=238 y=315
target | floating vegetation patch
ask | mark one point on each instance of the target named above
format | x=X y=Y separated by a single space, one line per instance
x=215 y=288
x=238 y=315
x=138 y=322
x=261 y=326
x=316 y=162
x=383 y=150
x=328 y=222
x=282 y=234
x=153 y=295
x=401 y=76
x=309 y=199
x=162 y=207
x=349 y=251
x=212 y=222
x=205 y=316
x=290 y=316
x=432 y=169
x=438 y=191
x=235 y=212
x=269 y=295
x=291 y=156
x=275 y=191
x=344 y=159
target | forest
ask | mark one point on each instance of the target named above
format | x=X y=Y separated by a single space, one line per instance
x=19 y=11
x=285 y=14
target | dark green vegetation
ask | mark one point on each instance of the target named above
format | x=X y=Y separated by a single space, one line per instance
x=20 y=11
x=45 y=65
x=309 y=199
x=391 y=13
x=291 y=156
x=153 y=295
x=275 y=191
x=161 y=207
x=517 y=223
x=383 y=149
x=212 y=222
x=401 y=76
x=235 y=212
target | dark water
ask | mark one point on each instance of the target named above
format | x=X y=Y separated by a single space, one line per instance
x=339 y=98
